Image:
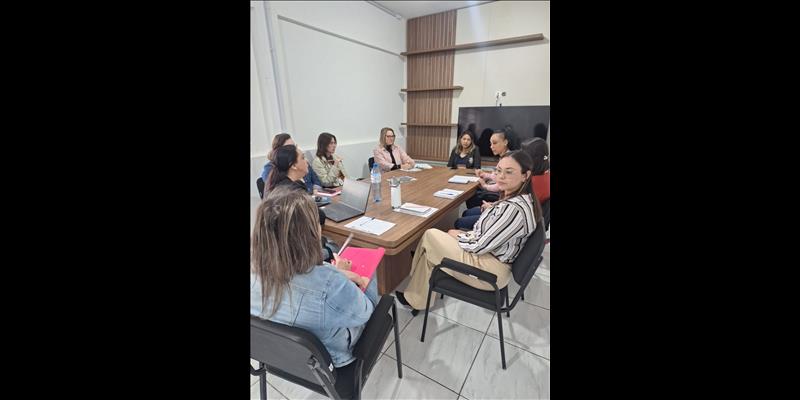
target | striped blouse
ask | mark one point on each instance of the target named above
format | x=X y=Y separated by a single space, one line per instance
x=501 y=229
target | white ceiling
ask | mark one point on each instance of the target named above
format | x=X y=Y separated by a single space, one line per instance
x=413 y=9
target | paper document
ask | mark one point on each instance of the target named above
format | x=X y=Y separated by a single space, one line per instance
x=448 y=193
x=463 y=179
x=425 y=214
x=415 y=207
x=411 y=170
x=370 y=225
x=423 y=166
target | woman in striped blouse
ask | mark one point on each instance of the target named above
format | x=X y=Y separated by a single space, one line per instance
x=495 y=241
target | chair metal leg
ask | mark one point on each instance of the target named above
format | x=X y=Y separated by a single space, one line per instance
x=427 y=307
x=508 y=313
x=397 y=342
x=502 y=347
x=263 y=381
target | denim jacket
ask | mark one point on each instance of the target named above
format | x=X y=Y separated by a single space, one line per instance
x=325 y=303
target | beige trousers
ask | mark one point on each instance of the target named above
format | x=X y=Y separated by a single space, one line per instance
x=432 y=248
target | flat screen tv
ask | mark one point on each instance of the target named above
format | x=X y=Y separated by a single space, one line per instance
x=522 y=121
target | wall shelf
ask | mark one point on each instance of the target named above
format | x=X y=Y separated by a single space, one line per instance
x=499 y=42
x=430 y=89
x=423 y=124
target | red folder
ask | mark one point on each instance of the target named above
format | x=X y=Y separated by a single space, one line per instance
x=365 y=261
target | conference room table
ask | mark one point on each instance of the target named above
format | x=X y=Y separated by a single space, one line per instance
x=402 y=238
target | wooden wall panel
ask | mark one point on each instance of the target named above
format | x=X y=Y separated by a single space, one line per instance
x=426 y=71
x=428 y=143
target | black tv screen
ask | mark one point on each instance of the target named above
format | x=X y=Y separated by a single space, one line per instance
x=522 y=121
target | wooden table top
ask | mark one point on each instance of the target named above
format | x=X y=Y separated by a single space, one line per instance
x=408 y=228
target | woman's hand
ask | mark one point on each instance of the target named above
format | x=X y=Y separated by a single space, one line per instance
x=482 y=183
x=485 y=205
x=454 y=233
x=359 y=280
x=406 y=166
x=342 y=263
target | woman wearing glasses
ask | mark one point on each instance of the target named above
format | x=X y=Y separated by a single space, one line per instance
x=388 y=155
x=496 y=241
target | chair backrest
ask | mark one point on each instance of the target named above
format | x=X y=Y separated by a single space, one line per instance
x=260 y=186
x=370 y=162
x=546 y=214
x=288 y=350
x=528 y=257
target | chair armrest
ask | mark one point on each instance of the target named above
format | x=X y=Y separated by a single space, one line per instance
x=467 y=269
x=375 y=330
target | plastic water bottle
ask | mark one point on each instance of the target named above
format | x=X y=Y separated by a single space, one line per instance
x=376 y=182
x=394 y=192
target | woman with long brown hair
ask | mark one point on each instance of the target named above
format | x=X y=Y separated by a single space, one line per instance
x=290 y=284
x=492 y=246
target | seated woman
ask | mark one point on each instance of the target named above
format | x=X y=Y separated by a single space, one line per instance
x=290 y=284
x=466 y=153
x=539 y=153
x=499 y=235
x=388 y=155
x=328 y=166
x=311 y=180
x=501 y=143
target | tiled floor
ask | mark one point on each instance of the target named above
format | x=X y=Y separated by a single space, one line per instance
x=460 y=358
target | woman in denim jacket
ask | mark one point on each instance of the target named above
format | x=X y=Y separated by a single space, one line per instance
x=290 y=284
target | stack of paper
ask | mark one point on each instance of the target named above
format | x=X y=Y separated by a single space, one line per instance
x=411 y=170
x=448 y=193
x=423 y=166
x=463 y=179
x=415 y=207
x=370 y=225
x=407 y=210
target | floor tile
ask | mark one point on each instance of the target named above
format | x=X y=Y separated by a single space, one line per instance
x=383 y=383
x=446 y=354
x=255 y=392
x=529 y=328
x=526 y=376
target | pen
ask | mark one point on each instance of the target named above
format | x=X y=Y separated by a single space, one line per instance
x=346 y=242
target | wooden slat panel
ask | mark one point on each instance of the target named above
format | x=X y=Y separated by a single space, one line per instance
x=428 y=71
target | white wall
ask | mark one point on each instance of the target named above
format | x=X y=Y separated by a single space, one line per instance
x=338 y=70
x=522 y=70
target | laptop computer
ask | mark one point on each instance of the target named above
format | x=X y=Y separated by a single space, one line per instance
x=352 y=201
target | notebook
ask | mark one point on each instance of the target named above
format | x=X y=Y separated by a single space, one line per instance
x=448 y=193
x=415 y=207
x=462 y=179
x=365 y=261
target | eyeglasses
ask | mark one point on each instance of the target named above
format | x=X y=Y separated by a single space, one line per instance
x=498 y=171
x=391 y=136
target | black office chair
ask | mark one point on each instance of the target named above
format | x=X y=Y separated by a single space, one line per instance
x=523 y=269
x=370 y=162
x=298 y=356
x=260 y=186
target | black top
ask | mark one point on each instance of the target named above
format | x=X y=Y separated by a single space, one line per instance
x=472 y=160
x=394 y=163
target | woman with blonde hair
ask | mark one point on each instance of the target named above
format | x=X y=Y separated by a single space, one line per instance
x=390 y=156
x=290 y=284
